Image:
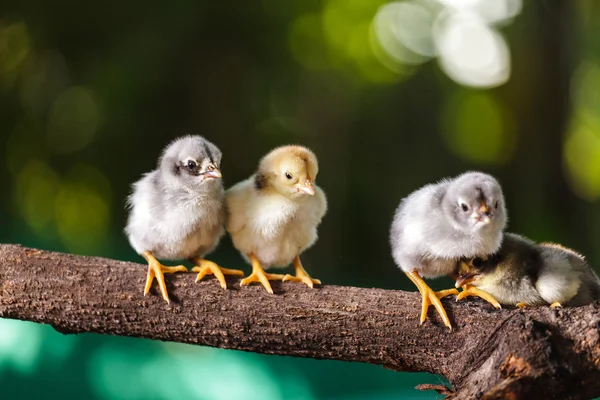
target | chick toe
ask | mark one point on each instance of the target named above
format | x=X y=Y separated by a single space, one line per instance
x=429 y=297
x=262 y=277
x=301 y=275
x=206 y=267
x=446 y=292
x=259 y=275
x=469 y=290
x=555 y=304
x=310 y=282
x=157 y=270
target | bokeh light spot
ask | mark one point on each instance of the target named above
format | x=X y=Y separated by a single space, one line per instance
x=116 y=374
x=44 y=77
x=307 y=43
x=183 y=371
x=491 y=11
x=361 y=50
x=36 y=188
x=91 y=178
x=348 y=32
x=20 y=345
x=471 y=52
x=19 y=149
x=73 y=120
x=582 y=158
x=462 y=34
x=403 y=29
x=340 y=17
x=477 y=128
x=14 y=47
x=82 y=209
x=584 y=88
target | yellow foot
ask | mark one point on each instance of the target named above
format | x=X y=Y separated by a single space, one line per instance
x=205 y=267
x=157 y=270
x=259 y=275
x=473 y=291
x=555 y=304
x=430 y=297
x=301 y=275
x=522 y=305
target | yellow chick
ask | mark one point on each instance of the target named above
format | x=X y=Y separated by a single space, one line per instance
x=274 y=214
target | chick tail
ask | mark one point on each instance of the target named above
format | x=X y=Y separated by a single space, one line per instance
x=157 y=270
x=431 y=298
x=469 y=290
x=204 y=267
x=259 y=275
x=301 y=275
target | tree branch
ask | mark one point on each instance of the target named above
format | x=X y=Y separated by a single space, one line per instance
x=491 y=354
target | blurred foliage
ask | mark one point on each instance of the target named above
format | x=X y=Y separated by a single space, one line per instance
x=389 y=94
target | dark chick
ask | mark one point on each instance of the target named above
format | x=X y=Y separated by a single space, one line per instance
x=524 y=273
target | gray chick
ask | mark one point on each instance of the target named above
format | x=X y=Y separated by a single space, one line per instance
x=440 y=223
x=523 y=273
x=177 y=211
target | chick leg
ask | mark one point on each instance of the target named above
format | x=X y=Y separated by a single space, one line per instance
x=157 y=270
x=259 y=275
x=430 y=297
x=205 y=267
x=469 y=290
x=301 y=275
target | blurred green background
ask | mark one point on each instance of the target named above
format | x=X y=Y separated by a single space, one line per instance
x=390 y=96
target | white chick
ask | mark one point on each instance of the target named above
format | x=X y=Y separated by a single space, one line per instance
x=440 y=223
x=274 y=214
x=177 y=211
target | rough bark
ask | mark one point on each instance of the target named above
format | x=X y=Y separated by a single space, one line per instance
x=492 y=354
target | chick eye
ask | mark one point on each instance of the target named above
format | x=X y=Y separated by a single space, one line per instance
x=464 y=207
x=477 y=262
x=496 y=205
x=288 y=175
x=191 y=165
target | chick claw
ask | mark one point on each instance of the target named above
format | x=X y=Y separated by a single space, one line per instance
x=157 y=270
x=430 y=297
x=473 y=291
x=259 y=275
x=301 y=275
x=205 y=267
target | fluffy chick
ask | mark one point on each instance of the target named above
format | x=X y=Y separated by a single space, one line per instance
x=274 y=214
x=523 y=273
x=438 y=224
x=177 y=211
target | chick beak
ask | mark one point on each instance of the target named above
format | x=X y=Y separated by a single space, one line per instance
x=307 y=187
x=465 y=279
x=466 y=274
x=212 y=172
x=484 y=213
